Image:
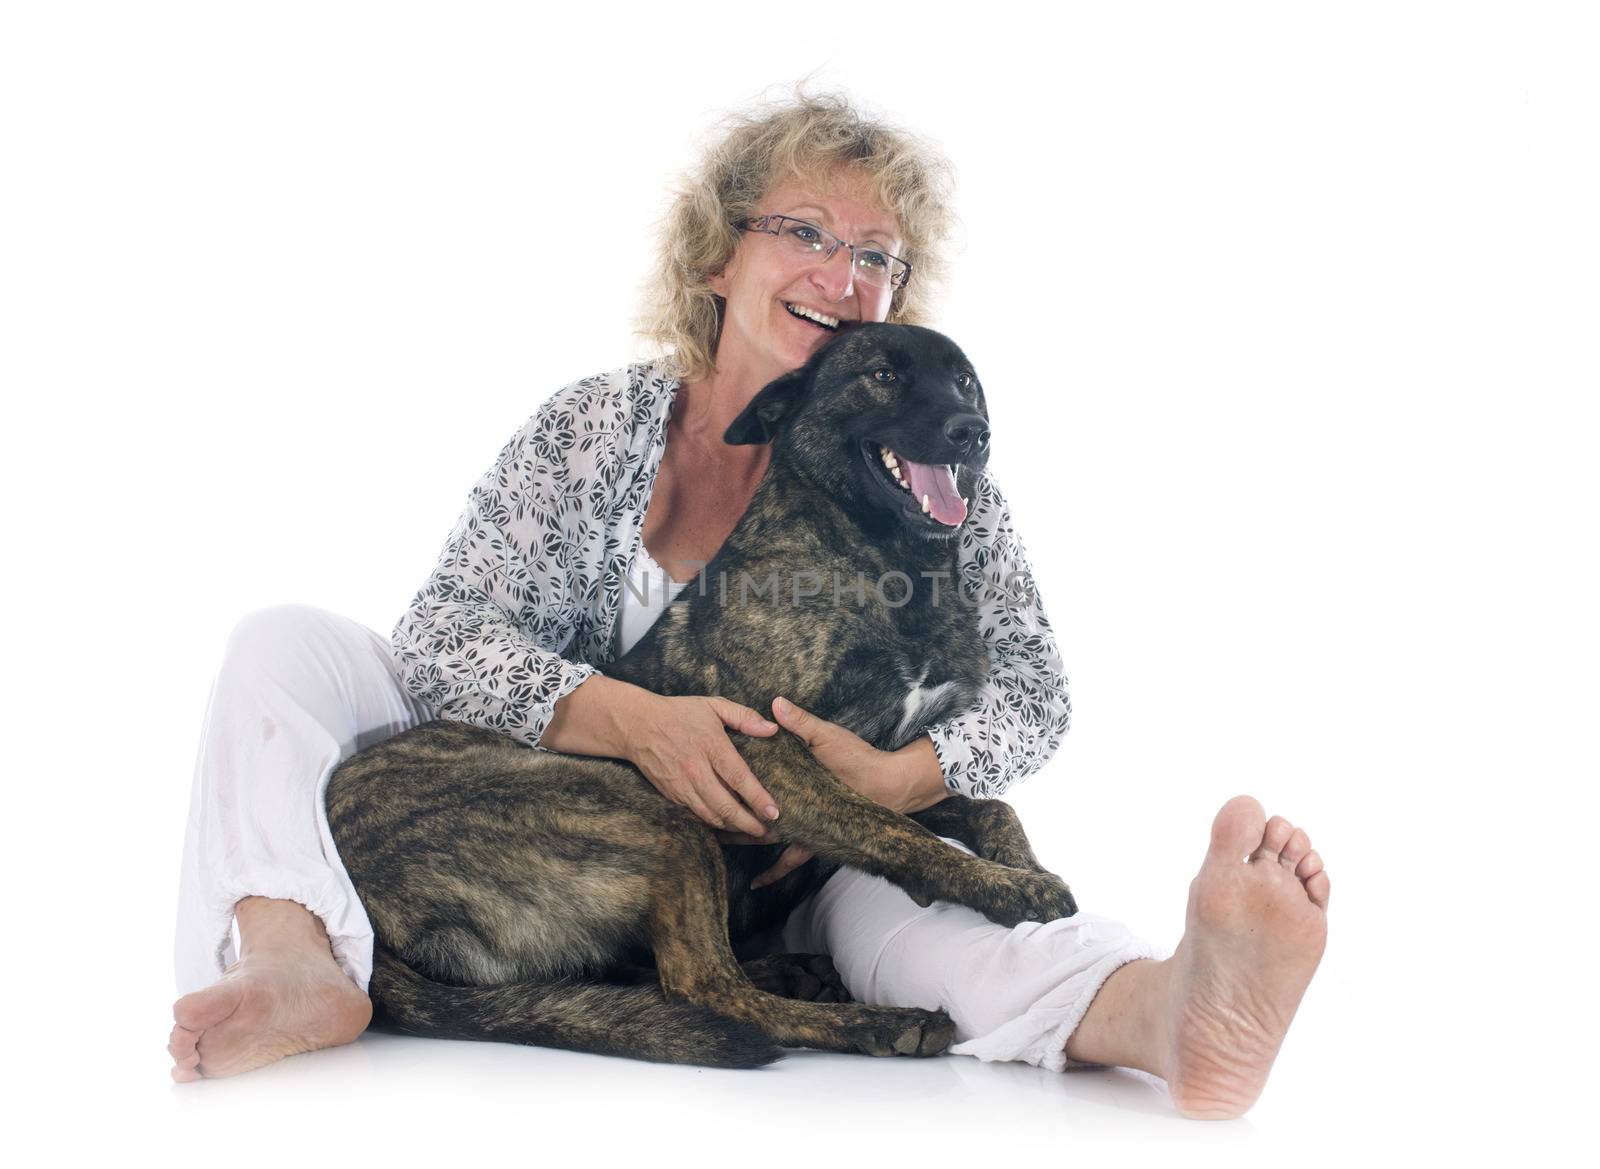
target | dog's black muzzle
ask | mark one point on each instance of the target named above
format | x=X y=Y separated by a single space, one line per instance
x=969 y=433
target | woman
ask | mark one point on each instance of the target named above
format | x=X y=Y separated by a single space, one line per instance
x=800 y=218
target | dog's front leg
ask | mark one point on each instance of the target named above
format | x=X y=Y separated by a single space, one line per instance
x=990 y=828
x=839 y=824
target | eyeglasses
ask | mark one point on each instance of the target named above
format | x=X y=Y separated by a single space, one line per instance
x=872 y=266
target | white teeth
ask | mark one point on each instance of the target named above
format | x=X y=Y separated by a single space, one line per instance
x=893 y=464
x=812 y=315
x=924 y=505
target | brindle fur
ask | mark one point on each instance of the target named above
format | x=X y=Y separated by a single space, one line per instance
x=516 y=894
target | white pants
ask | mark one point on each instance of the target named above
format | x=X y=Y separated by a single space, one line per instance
x=301 y=689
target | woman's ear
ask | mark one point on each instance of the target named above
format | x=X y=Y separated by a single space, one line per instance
x=718 y=280
x=760 y=421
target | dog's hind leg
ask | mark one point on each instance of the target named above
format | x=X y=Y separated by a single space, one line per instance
x=811 y=978
x=689 y=933
x=604 y=1018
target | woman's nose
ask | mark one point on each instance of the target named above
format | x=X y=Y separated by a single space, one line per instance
x=835 y=276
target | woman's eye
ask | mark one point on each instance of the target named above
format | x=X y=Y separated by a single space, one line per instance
x=884 y=375
x=805 y=233
x=872 y=259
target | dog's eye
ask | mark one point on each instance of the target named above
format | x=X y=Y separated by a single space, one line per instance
x=884 y=375
x=965 y=381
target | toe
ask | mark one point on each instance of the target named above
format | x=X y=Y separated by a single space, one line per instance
x=185 y=1055
x=206 y=1008
x=1294 y=851
x=181 y=1042
x=1273 y=838
x=1310 y=865
x=1237 y=830
x=1317 y=889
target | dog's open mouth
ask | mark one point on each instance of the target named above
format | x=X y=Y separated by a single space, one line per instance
x=931 y=486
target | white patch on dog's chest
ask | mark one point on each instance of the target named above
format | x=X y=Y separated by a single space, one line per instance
x=918 y=699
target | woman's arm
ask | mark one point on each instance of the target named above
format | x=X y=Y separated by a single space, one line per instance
x=681 y=745
x=484 y=640
x=1024 y=710
x=481 y=640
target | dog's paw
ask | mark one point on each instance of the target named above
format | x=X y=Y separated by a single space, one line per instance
x=833 y=988
x=910 y=1031
x=809 y=978
x=1028 y=896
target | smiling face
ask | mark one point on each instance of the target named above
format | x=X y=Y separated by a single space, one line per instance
x=763 y=336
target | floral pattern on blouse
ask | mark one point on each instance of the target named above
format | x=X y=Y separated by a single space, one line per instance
x=522 y=606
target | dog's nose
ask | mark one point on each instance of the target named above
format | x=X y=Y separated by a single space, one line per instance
x=969 y=432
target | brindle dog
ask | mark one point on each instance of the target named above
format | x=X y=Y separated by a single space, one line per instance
x=513 y=890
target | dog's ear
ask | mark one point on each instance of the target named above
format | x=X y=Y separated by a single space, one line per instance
x=760 y=421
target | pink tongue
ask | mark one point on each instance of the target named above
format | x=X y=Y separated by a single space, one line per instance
x=936 y=482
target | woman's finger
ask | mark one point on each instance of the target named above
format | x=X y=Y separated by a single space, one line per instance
x=722 y=801
x=736 y=773
x=788 y=861
x=691 y=800
x=800 y=723
x=742 y=718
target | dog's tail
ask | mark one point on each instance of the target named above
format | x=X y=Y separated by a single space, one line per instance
x=634 y=1021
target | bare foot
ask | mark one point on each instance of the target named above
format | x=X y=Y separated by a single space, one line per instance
x=284 y=996
x=1256 y=928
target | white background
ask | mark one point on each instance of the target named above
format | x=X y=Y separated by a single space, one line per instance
x=1287 y=316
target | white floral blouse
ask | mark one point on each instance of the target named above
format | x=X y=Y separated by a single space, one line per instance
x=523 y=604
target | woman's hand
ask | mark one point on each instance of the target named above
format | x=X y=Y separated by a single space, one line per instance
x=682 y=747
x=907 y=780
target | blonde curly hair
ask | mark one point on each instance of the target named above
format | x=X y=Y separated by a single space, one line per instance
x=748 y=153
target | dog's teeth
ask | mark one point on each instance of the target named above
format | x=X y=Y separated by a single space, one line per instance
x=924 y=505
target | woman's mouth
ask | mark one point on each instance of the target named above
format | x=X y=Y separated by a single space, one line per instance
x=811 y=316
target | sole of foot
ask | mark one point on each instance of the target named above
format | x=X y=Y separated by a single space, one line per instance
x=260 y=1012
x=1256 y=928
